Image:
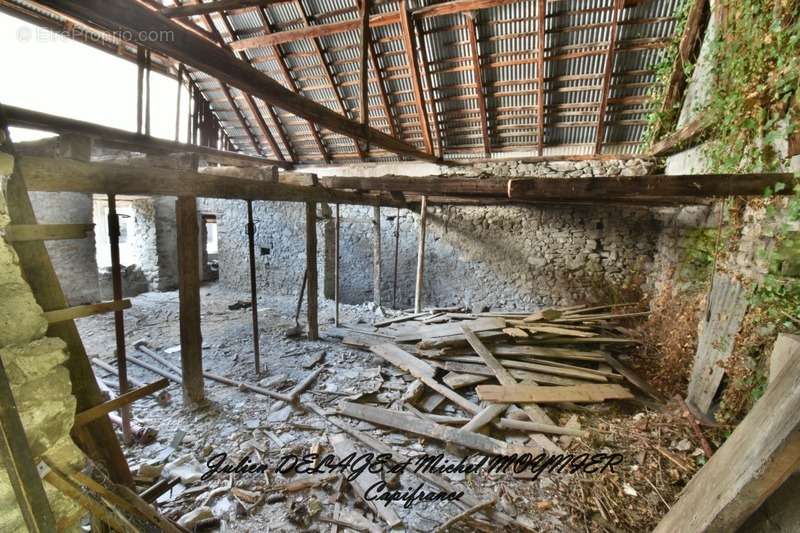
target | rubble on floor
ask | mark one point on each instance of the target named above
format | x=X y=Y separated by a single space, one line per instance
x=405 y=387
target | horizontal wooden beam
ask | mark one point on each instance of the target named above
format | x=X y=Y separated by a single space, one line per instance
x=375 y=21
x=313 y=31
x=497 y=187
x=93 y=413
x=68 y=175
x=113 y=137
x=46 y=232
x=79 y=311
x=141 y=23
x=190 y=10
x=648 y=187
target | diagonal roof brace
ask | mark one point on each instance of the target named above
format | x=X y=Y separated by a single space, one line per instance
x=148 y=27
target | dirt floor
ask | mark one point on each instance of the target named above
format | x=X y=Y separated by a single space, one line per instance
x=657 y=441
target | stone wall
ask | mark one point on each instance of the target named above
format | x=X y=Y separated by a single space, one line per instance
x=39 y=381
x=73 y=259
x=154 y=240
x=511 y=257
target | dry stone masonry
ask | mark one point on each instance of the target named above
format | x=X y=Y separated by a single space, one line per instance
x=39 y=381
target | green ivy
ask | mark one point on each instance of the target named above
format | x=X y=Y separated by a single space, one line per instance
x=658 y=119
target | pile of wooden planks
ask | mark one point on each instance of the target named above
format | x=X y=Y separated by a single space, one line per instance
x=499 y=369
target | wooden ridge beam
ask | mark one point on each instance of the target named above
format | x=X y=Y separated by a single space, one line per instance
x=103 y=135
x=607 y=71
x=80 y=311
x=191 y=49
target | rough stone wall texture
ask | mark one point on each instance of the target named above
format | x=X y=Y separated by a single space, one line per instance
x=154 y=240
x=511 y=257
x=39 y=382
x=74 y=259
x=279 y=244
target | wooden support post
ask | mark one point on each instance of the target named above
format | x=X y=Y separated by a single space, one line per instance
x=376 y=255
x=119 y=318
x=311 y=265
x=251 y=246
x=189 y=294
x=396 y=257
x=18 y=461
x=423 y=221
x=336 y=269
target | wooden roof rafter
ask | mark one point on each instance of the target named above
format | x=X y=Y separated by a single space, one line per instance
x=409 y=42
x=287 y=76
x=326 y=69
x=472 y=31
x=607 y=71
x=541 y=17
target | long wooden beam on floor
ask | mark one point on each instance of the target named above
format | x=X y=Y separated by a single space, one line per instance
x=189 y=296
x=194 y=50
x=116 y=138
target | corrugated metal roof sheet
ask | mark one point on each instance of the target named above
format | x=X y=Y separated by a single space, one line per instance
x=577 y=36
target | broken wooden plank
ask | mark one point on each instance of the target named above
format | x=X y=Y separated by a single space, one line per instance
x=456 y=340
x=561 y=331
x=726 y=307
x=534 y=412
x=455 y=380
x=535 y=394
x=417 y=426
x=79 y=311
x=784 y=351
x=343 y=447
x=453 y=328
x=402 y=318
x=761 y=453
x=422 y=371
x=93 y=413
x=477 y=371
x=635 y=379
x=574 y=373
